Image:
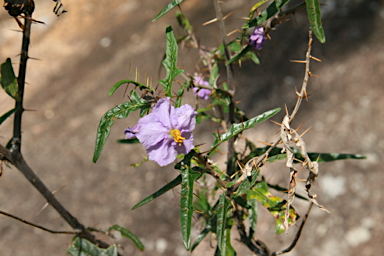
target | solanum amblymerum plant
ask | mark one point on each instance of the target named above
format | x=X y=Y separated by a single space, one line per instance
x=166 y=130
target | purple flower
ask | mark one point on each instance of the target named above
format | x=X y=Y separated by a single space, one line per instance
x=166 y=132
x=257 y=38
x=202 y=93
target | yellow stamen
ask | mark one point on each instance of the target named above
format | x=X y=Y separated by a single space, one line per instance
x=177 y=136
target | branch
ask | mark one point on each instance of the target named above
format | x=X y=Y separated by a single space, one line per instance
x=231 y=85
x=294 y=242
x=16 y=140
x=37 y=226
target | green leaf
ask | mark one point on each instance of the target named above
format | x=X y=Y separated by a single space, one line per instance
x=246 y=184
x=271 y=10
x=186 y=200
x=129 y=141
x=275 y=205
x=252 y=216
x=201 y=236
x=127 y=81
x=6 y=115
x=83 y=247
x=158 y=193
x=275 y=155
x=128 y=234
x=170 y=62
x=172 y=4
x=240 y=127
x=119 y=112
x=8 y=79
x=183 y=22
x=239 y=55
x=314 y=16
x=229 y=251
x=222 y=210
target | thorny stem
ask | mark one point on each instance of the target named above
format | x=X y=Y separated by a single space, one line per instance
x=16 y=140
x=293 y=244
x=299 y=99
x=231 y=85
x=15 y=157
x=257 y=246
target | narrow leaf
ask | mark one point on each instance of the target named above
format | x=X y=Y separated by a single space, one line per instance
x=252 y=216
x=186 y=200
x=127 y=81
x=170 y=62
x=129 y=141
x=83 y=247
x=128 y=234
x=6 y=115
x=119 y=112
x=224 y=204
x=246 y=184
x=240 y=127
x=314 y=16
x=275 y=155
x=8 y=79
x=271 y=10
x=275 y=205
x=172 y=4
x=240 y=54
x=158 y=193
x=201 y=236
x=229 y=251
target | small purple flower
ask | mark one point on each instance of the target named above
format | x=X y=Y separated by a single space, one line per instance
x=257 y=38
x=202 y=93
x=166 y=132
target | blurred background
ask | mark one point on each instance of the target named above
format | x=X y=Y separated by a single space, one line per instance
x=82 y=53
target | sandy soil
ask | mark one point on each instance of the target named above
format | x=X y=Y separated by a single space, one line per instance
x=85 y=51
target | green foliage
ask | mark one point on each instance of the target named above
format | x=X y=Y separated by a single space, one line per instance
x=271 y=10
x=247 y=184
x=119 y=112
x=158 y=193
x=127 y=81
x=83 y=247
x=172 y=4
x=240 y=127
x=275 y=205
x=222 y=211
x=276 y=154
x=8 y=79
x=314 y=16
x=186 y=200
x=128 y=234
x=6 y=115
x=170 y=62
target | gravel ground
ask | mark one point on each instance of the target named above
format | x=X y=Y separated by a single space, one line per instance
x=85 y=51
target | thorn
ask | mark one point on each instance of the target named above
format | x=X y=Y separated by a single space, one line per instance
x=279 y=124
x=265 y=143
x=229 y=14
x=210 y=21
x=306 y=95
x=298 y=61
x=310 y=74
x=234 y=31
x=244 y=18
x=314 y=58
x=286 y=109
x=305 y=131
x=31 y=58
x=298 y=128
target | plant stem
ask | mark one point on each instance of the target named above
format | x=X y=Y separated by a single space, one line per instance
x=16 y=140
